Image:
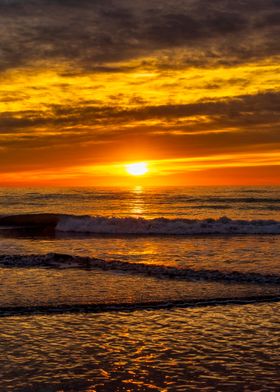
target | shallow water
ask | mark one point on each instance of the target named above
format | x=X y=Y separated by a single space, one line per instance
x=238 y=253
x=226 y=348
x=34 y=287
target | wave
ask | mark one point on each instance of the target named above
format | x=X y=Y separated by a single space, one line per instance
x=224 y=199
x=163 y=226
x=139 y=226
x=10 y=311
x=244 y=199
x=30 y=220
x=56 y=260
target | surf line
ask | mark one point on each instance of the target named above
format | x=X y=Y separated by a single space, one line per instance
x=13 y=311
x=55 y=260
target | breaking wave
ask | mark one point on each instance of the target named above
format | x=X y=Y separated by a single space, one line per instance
x=56 y=260
x=163 y=226
x=139 y=226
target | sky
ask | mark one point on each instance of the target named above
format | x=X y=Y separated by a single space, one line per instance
x=191 y=87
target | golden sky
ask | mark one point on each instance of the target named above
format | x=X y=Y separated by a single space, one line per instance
x=191 y=87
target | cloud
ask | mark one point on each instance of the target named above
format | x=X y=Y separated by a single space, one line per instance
x=208 y=127
x=96 y=81
x=240 y=112
x=92 y=35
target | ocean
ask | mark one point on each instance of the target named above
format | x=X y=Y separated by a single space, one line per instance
x=140 y=289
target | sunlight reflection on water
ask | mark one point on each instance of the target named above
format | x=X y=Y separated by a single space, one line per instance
x=147 y=202
x=232 y=348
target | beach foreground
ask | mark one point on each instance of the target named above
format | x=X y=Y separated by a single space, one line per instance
x=222 y=348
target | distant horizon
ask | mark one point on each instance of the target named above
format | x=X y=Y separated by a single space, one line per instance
x=131 y=186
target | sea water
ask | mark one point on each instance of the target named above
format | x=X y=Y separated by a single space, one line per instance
x=104 y=259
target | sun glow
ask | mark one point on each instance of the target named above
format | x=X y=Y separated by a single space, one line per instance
x=137 y=169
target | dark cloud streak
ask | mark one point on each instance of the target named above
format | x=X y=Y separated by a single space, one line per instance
x=243 y=110
x=255 y=117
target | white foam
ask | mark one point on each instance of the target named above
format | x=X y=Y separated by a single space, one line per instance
x=224 y=225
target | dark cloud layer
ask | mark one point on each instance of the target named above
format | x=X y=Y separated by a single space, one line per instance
x=254 y=118
x=92 y=33
x=246 y=110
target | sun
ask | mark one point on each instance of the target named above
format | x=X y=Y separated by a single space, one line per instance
x=137 y=169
